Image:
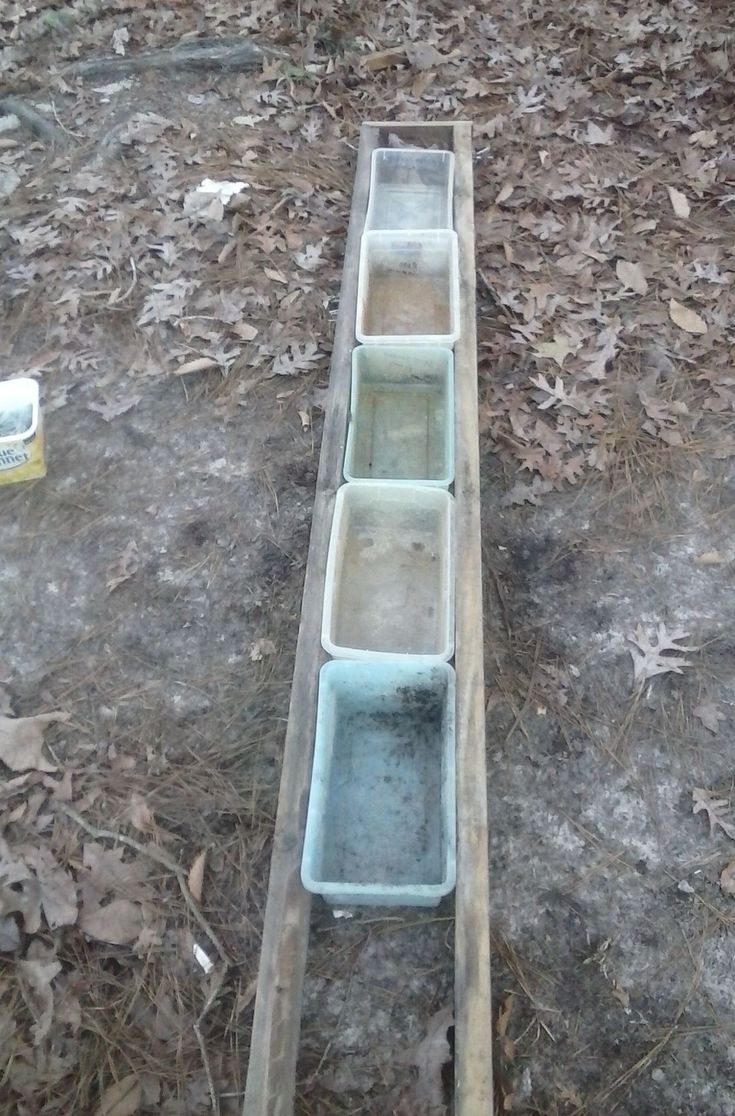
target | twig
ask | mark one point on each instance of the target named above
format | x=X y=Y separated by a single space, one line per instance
x=33 y=120
x=163 y=858
x=65 y=130
x=214 y=992
x=223 y=54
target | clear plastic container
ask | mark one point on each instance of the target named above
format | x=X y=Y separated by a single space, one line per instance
x=410 y=189
x=389 y=587
x=402 y=415
x=408 y=288
x=381 y=827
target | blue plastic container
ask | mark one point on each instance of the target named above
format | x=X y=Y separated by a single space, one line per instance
x=401 y=415
x=380 y=828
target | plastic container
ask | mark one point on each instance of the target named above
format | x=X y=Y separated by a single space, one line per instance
x=21 y=431
x=380 y=827
x=402 y=415
x=408 y=288
x=389 y=589
x=410 y=189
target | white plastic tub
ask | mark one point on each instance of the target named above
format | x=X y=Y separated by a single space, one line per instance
x=408 y=288
x=380 y=827
x=389 y=588
x=402 y=415
x=410 y=189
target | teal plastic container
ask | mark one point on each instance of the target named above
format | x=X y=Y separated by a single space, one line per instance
x=401 y=415
x=381 y=824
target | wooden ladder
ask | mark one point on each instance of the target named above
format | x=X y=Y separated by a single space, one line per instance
x=274 y=1047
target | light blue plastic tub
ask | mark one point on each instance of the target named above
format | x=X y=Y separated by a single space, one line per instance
x=381 y=821
x=402 y=415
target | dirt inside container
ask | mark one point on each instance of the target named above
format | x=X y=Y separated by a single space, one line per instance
x=401 y=303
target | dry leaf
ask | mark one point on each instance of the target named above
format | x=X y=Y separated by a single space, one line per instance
x=113 y=410
x=121 y=1099
x=384 y=59
x=679 y=203
x=558 y=349
x=21 y=741
x=685 y=318
x=661 y=657
x=506 y=1044
x=709 y=715
x=727 y=878
x=126 y=565
x=597 y=136
x=714 y=807
x=140 y=814
x=120 y=36
x=426 y=1095
x=630 y=275
x=35 y=982
x=201 y=364
x=621 y=995
x=261 y=648
x=195 y=879
x=710 y=558
x=118 y=923
x=57 y=892
x=244 y=331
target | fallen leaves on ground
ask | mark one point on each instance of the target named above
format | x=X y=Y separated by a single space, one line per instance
x=36 y=977
x=123 y=569
x=679 y=203
x=122 y=1098
x=260 y=649
x=21 y=741
x=195 y=878
x=709 y=715
x=631 y=275
x=661 y=655
x=727 y=879
x=426 y=1095
x=715 y=809
x=685 y=318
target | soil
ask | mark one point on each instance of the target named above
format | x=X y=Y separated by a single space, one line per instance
x=397 y=304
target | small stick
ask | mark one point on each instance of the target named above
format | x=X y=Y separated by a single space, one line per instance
x=214 y=992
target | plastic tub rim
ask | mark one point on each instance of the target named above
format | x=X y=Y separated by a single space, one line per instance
x=437 y=339
x=318 y=792
x=343 y=651
x=449 y=193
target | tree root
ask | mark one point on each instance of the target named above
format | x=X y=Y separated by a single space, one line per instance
x=223 y=54
x=33 y=121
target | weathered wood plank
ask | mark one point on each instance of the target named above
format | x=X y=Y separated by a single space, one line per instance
x=269 y=1089
x=473 y=1011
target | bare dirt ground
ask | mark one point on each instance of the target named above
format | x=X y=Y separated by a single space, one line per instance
x=149 y=585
